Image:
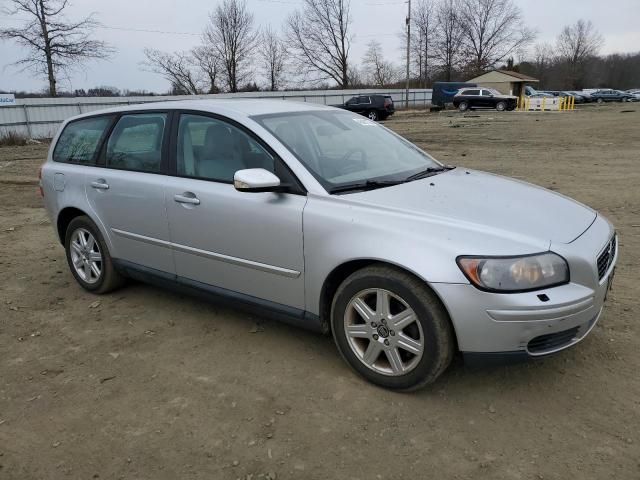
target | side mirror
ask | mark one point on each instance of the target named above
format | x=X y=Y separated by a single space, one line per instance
x=256 y=180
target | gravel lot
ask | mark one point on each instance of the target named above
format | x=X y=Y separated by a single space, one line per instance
x=146 y=384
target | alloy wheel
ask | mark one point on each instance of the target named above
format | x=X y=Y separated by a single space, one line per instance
x=86 y=256
x=384 y=332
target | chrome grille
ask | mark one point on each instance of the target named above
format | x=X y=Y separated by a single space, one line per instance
x=606 y=257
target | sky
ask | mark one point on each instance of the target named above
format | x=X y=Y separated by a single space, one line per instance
x=182 y=21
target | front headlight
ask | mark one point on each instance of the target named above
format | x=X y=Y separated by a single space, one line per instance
x=515 y=274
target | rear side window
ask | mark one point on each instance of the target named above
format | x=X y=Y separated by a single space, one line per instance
x=80 y=141
x=471 y=92
x=136 y=142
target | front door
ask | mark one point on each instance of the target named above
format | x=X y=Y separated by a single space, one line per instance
x=128 y=195
x=249 y=243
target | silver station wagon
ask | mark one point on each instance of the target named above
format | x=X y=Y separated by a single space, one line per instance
x=330 y=221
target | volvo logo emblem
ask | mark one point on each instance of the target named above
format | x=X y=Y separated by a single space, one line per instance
x=383 y=331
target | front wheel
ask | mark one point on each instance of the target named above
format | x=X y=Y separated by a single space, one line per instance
x=372 y=115
x=600 y=101
x=501 y=106
x=89 y=258
x=391 y=328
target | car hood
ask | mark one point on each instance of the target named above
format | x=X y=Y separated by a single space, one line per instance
x=489 y=203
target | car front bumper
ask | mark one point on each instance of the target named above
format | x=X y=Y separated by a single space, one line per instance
x=517 y=326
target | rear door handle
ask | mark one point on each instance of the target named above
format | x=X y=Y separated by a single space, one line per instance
x=187 y=197
x=100 y=184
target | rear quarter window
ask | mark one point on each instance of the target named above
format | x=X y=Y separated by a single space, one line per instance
x=80 y=140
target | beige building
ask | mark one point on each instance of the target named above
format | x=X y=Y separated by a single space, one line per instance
x=505 y=81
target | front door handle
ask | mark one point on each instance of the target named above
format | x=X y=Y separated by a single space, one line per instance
x=187 y=197
x=100 y=184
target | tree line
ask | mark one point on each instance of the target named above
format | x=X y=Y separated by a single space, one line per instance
x=450 y=40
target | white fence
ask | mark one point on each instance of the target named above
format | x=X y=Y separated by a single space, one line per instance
x=40 y=117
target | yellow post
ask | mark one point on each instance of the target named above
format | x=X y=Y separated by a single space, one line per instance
x=544 y=101
x=573 y=103
x=561 y=104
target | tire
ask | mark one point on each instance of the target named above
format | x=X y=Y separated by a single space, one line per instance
x=372 y=115
x=373 y=343
x=600 y=101
x=94 y=251
x=463 y=107
x=501 y=106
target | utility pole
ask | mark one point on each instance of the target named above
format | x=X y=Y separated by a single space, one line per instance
x=408 y=49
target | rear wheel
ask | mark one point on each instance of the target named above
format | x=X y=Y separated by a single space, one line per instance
x=463 y=106
x=372 y=115
x=391 y=328
x=501 y=106
x=600 y=100
x=89 y=258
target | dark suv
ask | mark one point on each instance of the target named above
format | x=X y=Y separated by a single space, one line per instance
x=470 y=98
x=375 y=107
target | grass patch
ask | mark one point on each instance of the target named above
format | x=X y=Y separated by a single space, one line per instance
x=12 y=139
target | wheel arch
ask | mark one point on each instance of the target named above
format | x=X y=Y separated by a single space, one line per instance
x=65 y=217
x=68 y=213
x=340 y=273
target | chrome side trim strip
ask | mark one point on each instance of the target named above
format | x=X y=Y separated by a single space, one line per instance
x=264 y=267
x=142 y=238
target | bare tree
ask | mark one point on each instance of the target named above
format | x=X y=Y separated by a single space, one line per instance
x=423 y=19
x=320 y=41
x=449 y=37
x=177 y=68
x=379 y=71
x=54 y=45
x=231 y=35
x=543 y=61
x=576 y=45
x=273 y=53
x=209 y=65
x=493 y=31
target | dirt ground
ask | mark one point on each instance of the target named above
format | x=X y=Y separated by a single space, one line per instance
x=147 y=384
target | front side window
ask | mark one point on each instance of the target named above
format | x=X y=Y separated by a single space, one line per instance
x=340 y=148
x=80 y=140
x=136 y=142
x=212 y=149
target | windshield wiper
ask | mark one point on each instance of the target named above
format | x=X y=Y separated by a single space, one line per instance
x=368 y=185
x=428 y=172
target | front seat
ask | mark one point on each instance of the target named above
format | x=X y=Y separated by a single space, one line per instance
x=220 y=158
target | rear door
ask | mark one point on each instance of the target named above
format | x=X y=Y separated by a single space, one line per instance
x=127 y=194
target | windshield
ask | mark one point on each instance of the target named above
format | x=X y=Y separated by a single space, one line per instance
x=341 y=148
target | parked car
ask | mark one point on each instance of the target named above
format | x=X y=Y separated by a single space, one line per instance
x=444 y=92
x=375 y=107
x=585 y=95
x=635 y=93
x=533 y=93
x=577 y=98
x=612 y=96
x=330 y=221
x=472 y=98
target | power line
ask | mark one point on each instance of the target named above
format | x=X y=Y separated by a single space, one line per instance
x=111 y=27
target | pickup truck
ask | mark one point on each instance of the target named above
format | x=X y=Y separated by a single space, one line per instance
x=374 y=107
